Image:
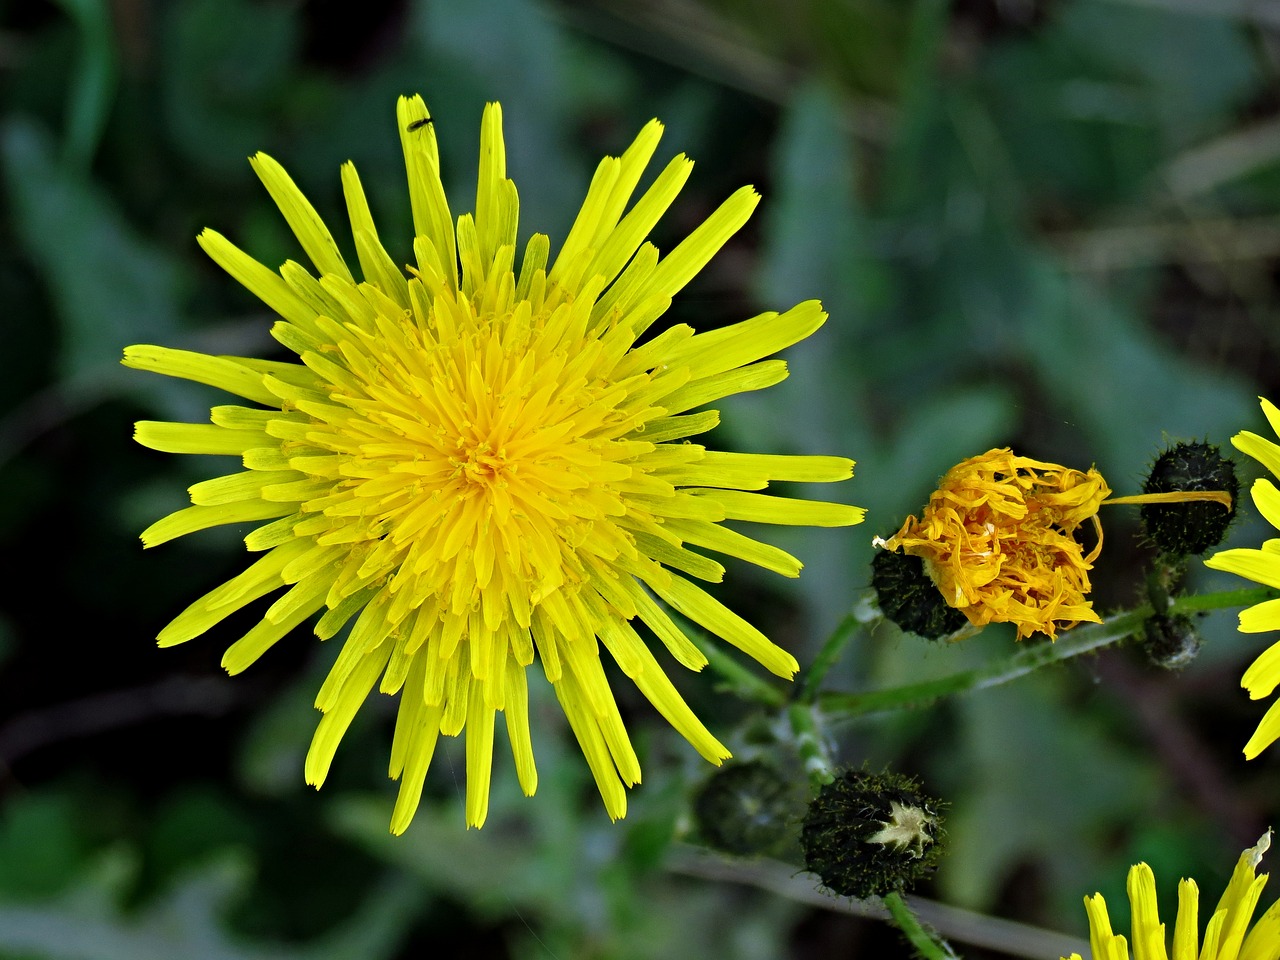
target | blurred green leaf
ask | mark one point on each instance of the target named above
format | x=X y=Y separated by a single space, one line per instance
x=110 y=286
x=910 y=155
x=192 y=826
x=815 y=230
x=95 y=80
x=1088 y=114
x=1195 y=68
x=271 y=759
x=227 y=69
x=1122 y=389
x=87 y=923
x=578 y=884
x=41 y=848
x=1029 y=786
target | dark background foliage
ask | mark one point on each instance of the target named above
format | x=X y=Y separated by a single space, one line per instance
x=1052 y=224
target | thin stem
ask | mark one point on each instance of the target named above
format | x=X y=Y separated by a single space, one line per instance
x=1004 y=937
x=826 y=658
x=740 y=680
x=810 y=745
x=1079 y=640
x=1244 y=597
x=929 y=947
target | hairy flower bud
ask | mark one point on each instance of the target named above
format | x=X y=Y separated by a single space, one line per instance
x=909 y=598
x=1171 y=642
x=1180 y=529
x=867 y=834
x=748 y=808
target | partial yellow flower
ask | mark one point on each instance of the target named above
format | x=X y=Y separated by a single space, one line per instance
x=1226 y=937
x=1262 y=566
x=483 y=466
x=997 y=539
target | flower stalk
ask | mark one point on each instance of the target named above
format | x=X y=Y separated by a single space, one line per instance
x=1084 y=639
x=927 y=946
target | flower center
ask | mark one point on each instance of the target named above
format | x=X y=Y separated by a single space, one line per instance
x=482 y=464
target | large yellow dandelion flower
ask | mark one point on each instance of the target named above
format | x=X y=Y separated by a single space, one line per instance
x=1262 y=566
x=997 y=539
x=1226 y=937
x=480 y=466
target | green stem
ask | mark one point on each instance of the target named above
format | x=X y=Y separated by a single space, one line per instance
x=1244 y=597
x=1072 y=644
x=810 y=745
x=740 y=680
x=826 y=658
x=929 y=947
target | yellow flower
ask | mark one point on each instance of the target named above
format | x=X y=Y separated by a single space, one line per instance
x=1262 y=566
x=997 y=539
x=1225 y=935
x=481 y=465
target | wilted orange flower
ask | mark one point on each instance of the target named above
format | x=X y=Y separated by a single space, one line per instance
x=997 y=537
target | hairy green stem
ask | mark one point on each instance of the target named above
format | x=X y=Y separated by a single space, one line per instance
x=810 y=744
x=1072 y=644
x=928 y=946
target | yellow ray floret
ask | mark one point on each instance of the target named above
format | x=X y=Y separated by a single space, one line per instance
x=475 y=464
x=1227 y=935
x=1262 y=566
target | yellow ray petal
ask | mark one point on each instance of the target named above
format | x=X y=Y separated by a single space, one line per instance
x=1257 y=565
x=302 y=218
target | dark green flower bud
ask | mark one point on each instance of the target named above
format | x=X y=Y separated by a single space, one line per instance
x=1171 y=642
x=748 y=808
x=867 y=834
x=1180 y=529
x=909 y=598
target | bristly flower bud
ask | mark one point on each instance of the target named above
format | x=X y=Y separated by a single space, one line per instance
x=909 y=598
x=867 y=834
x=748 y=808
x=1180 y=529
x=1171 y=642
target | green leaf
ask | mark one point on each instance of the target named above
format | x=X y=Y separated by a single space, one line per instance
x=227 y=69
x=109 y=285
x=1115 y=382
x=41 y=849
x=94 y=81
x=1036 y=772
x=1194 y=67
x=815 y=230
x=88 y=924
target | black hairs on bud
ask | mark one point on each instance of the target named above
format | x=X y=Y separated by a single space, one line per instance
x=867 y=834
x=910 y=599
x=1182 y=529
